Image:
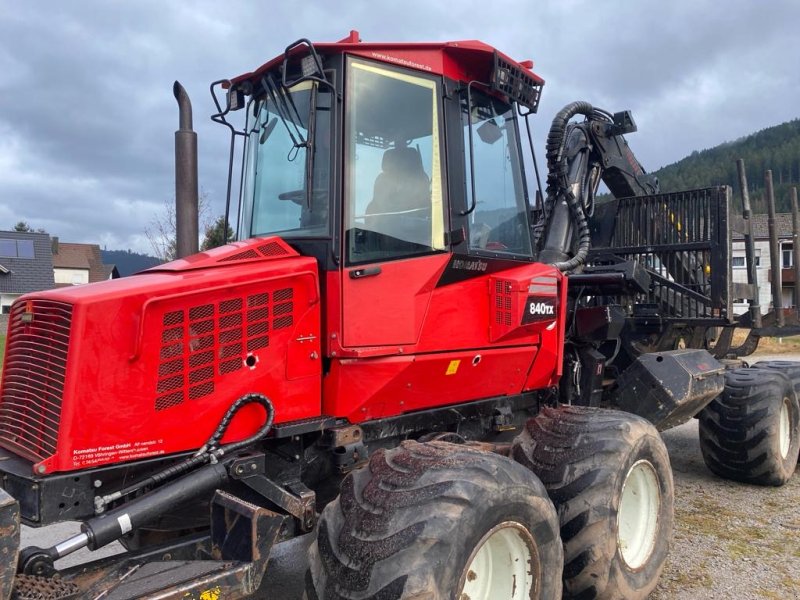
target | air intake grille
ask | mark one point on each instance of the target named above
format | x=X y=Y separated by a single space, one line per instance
x=208 y=341
x=33 y=377
x=503 y=302
x=270 y=249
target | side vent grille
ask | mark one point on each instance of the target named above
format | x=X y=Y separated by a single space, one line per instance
x=246 y=255
x=503 y=302
x=205 y=342
x=269 y=250
x=33 y=378
x=272 y=249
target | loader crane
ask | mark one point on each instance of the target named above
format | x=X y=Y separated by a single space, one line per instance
x=454 y=393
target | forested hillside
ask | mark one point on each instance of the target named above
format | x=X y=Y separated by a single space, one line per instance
x=776 y=148
x=128 y=262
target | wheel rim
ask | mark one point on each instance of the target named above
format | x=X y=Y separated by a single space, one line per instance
x=785 y=429
x=502 y=565
x=637 y=517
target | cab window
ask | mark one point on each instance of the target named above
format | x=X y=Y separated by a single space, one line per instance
x=393 y=164
x=499 y=223
x=279 y=194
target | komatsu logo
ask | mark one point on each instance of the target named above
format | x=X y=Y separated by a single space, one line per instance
x=541 y=308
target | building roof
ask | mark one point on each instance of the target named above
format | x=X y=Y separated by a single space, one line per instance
x=760 y=227
x=21 y=274
x=110 y=271
x=70 y=256
x=81 y=256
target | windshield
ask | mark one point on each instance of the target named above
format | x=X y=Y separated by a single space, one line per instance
x=277 y=196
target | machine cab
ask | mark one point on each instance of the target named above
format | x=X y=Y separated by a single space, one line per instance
x=399 y=167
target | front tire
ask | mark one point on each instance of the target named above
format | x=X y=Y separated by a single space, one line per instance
x=437 y=521
x=751 y=433
x=608 y=474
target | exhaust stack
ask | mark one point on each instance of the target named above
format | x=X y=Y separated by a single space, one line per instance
x=186 y=188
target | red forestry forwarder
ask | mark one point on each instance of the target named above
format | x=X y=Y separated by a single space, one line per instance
x=455 y=392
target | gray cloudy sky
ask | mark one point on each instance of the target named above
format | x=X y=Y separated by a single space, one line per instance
x=87 y=115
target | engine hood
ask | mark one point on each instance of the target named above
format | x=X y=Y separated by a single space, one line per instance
x=147 y=365
x=252 y=250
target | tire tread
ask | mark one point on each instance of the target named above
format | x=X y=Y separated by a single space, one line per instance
x=576 y=451
x=381 y=523
x=737 y=429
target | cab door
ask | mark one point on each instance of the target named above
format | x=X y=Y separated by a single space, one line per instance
x=394 y=242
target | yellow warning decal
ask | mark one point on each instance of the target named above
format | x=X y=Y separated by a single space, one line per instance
x=212 y=594
x=452 y=367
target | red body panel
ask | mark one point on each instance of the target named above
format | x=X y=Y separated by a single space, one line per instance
x=371 y=388
x=156 y=359
x=463 y=350
x=389 y=309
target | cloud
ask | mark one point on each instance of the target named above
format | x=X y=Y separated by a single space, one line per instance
x=87 y=115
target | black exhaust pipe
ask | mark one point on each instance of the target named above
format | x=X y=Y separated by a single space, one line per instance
x=186 y=188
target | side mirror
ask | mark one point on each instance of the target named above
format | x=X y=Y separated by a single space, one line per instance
x=267 y=130
x=489 y=132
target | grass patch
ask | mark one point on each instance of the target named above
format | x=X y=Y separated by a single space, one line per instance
x=785 y=345
x=696 y=576
x=740 y=539
x=790 y=585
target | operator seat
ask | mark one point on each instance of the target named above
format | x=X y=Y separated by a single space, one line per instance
x=402 y=184
x=400 y=209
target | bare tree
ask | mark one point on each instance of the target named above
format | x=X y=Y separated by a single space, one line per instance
x=160 y=231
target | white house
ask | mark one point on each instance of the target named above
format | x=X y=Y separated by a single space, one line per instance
x=783 y=222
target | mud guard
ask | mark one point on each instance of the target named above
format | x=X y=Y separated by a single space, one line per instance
x=669 y=388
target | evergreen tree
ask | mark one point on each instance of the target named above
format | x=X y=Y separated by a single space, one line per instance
x=776 y=148
x=215 y=234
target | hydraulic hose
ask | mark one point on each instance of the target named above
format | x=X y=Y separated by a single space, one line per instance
x=559 y=189
x=105 y=528
x=210 y=452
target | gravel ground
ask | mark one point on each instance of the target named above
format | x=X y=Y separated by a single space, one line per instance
x=731 y=540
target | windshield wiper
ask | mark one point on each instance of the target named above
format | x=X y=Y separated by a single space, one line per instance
x=312 y=125
x=282 y=109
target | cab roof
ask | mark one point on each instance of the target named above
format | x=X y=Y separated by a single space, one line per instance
x=466 y=60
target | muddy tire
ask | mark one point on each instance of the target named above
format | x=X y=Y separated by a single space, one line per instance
x=789 y=368
x=751 y=433
x=609 y=476
x=426 y=520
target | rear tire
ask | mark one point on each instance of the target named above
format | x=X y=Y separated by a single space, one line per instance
x=608 y=474
x=751 y=433
x=436 y=521
x=789 y=368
